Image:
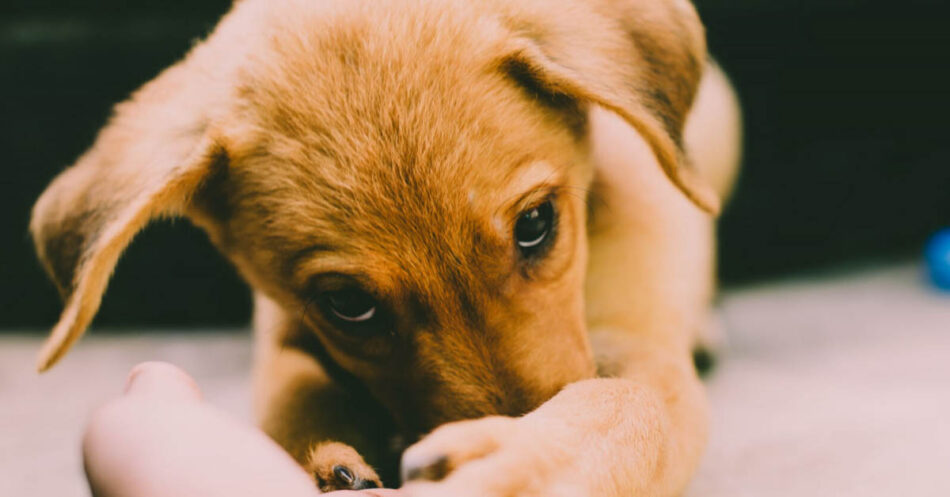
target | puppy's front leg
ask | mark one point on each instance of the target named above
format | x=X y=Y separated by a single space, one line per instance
x=325 y=427
x=642 y=430
x=638 y=434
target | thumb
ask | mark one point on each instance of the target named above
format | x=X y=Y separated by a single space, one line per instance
x=161 y=379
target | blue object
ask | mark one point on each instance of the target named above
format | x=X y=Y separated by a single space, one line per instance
x=937 y=254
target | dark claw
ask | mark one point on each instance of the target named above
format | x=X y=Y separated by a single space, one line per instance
x=704 y=360
x=345 y=476
x=347 y=480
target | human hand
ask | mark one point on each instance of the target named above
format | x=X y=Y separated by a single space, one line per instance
x=159 y=440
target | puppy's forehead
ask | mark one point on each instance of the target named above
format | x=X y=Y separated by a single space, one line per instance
x=367 y=70
x=397 y=135
x=410 y=227
x=420 y=79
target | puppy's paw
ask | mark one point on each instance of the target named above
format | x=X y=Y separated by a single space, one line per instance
x=452 y=445
x=492 y=457
x=336 y=466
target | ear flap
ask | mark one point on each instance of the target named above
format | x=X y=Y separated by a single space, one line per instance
x=640 y=59
x=146 y=163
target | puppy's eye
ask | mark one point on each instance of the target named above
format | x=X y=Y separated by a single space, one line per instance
x=351 y=305
x=341 y=304
x=535 y=229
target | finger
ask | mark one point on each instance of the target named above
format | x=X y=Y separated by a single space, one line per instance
x=443 y=489
x=376 y=492
x=161 y=379
x=144 y=446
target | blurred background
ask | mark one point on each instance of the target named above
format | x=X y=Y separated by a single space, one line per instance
x=834 y=379
x=845 y=101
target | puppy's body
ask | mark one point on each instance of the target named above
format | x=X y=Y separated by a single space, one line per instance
x=392 y=148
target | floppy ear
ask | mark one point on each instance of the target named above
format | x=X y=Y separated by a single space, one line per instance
x=642 y=59
x=149 y=160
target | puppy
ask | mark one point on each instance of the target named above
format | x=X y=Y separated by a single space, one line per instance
x=490 y=219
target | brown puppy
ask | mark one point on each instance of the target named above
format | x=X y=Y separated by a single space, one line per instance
x=448 y=210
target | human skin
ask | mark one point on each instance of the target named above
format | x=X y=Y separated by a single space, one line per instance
x=160 y=439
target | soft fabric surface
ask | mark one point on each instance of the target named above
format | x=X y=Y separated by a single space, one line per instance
x=835 y=385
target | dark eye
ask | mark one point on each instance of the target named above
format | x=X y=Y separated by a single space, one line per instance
x=535 y=229
x=350 y=305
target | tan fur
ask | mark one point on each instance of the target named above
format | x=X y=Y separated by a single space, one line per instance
x=396 y=143
x=359 y=474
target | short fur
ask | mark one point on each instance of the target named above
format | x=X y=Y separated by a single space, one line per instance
x=396 y=143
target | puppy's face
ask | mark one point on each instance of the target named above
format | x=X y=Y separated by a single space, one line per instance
x=430 y=233
x=408 y=179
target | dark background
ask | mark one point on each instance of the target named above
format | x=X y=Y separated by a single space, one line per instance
x=846 y=106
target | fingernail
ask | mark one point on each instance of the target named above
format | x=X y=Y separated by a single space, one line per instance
x=161 y=379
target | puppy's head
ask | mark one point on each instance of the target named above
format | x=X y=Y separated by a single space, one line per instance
x=406 y=179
